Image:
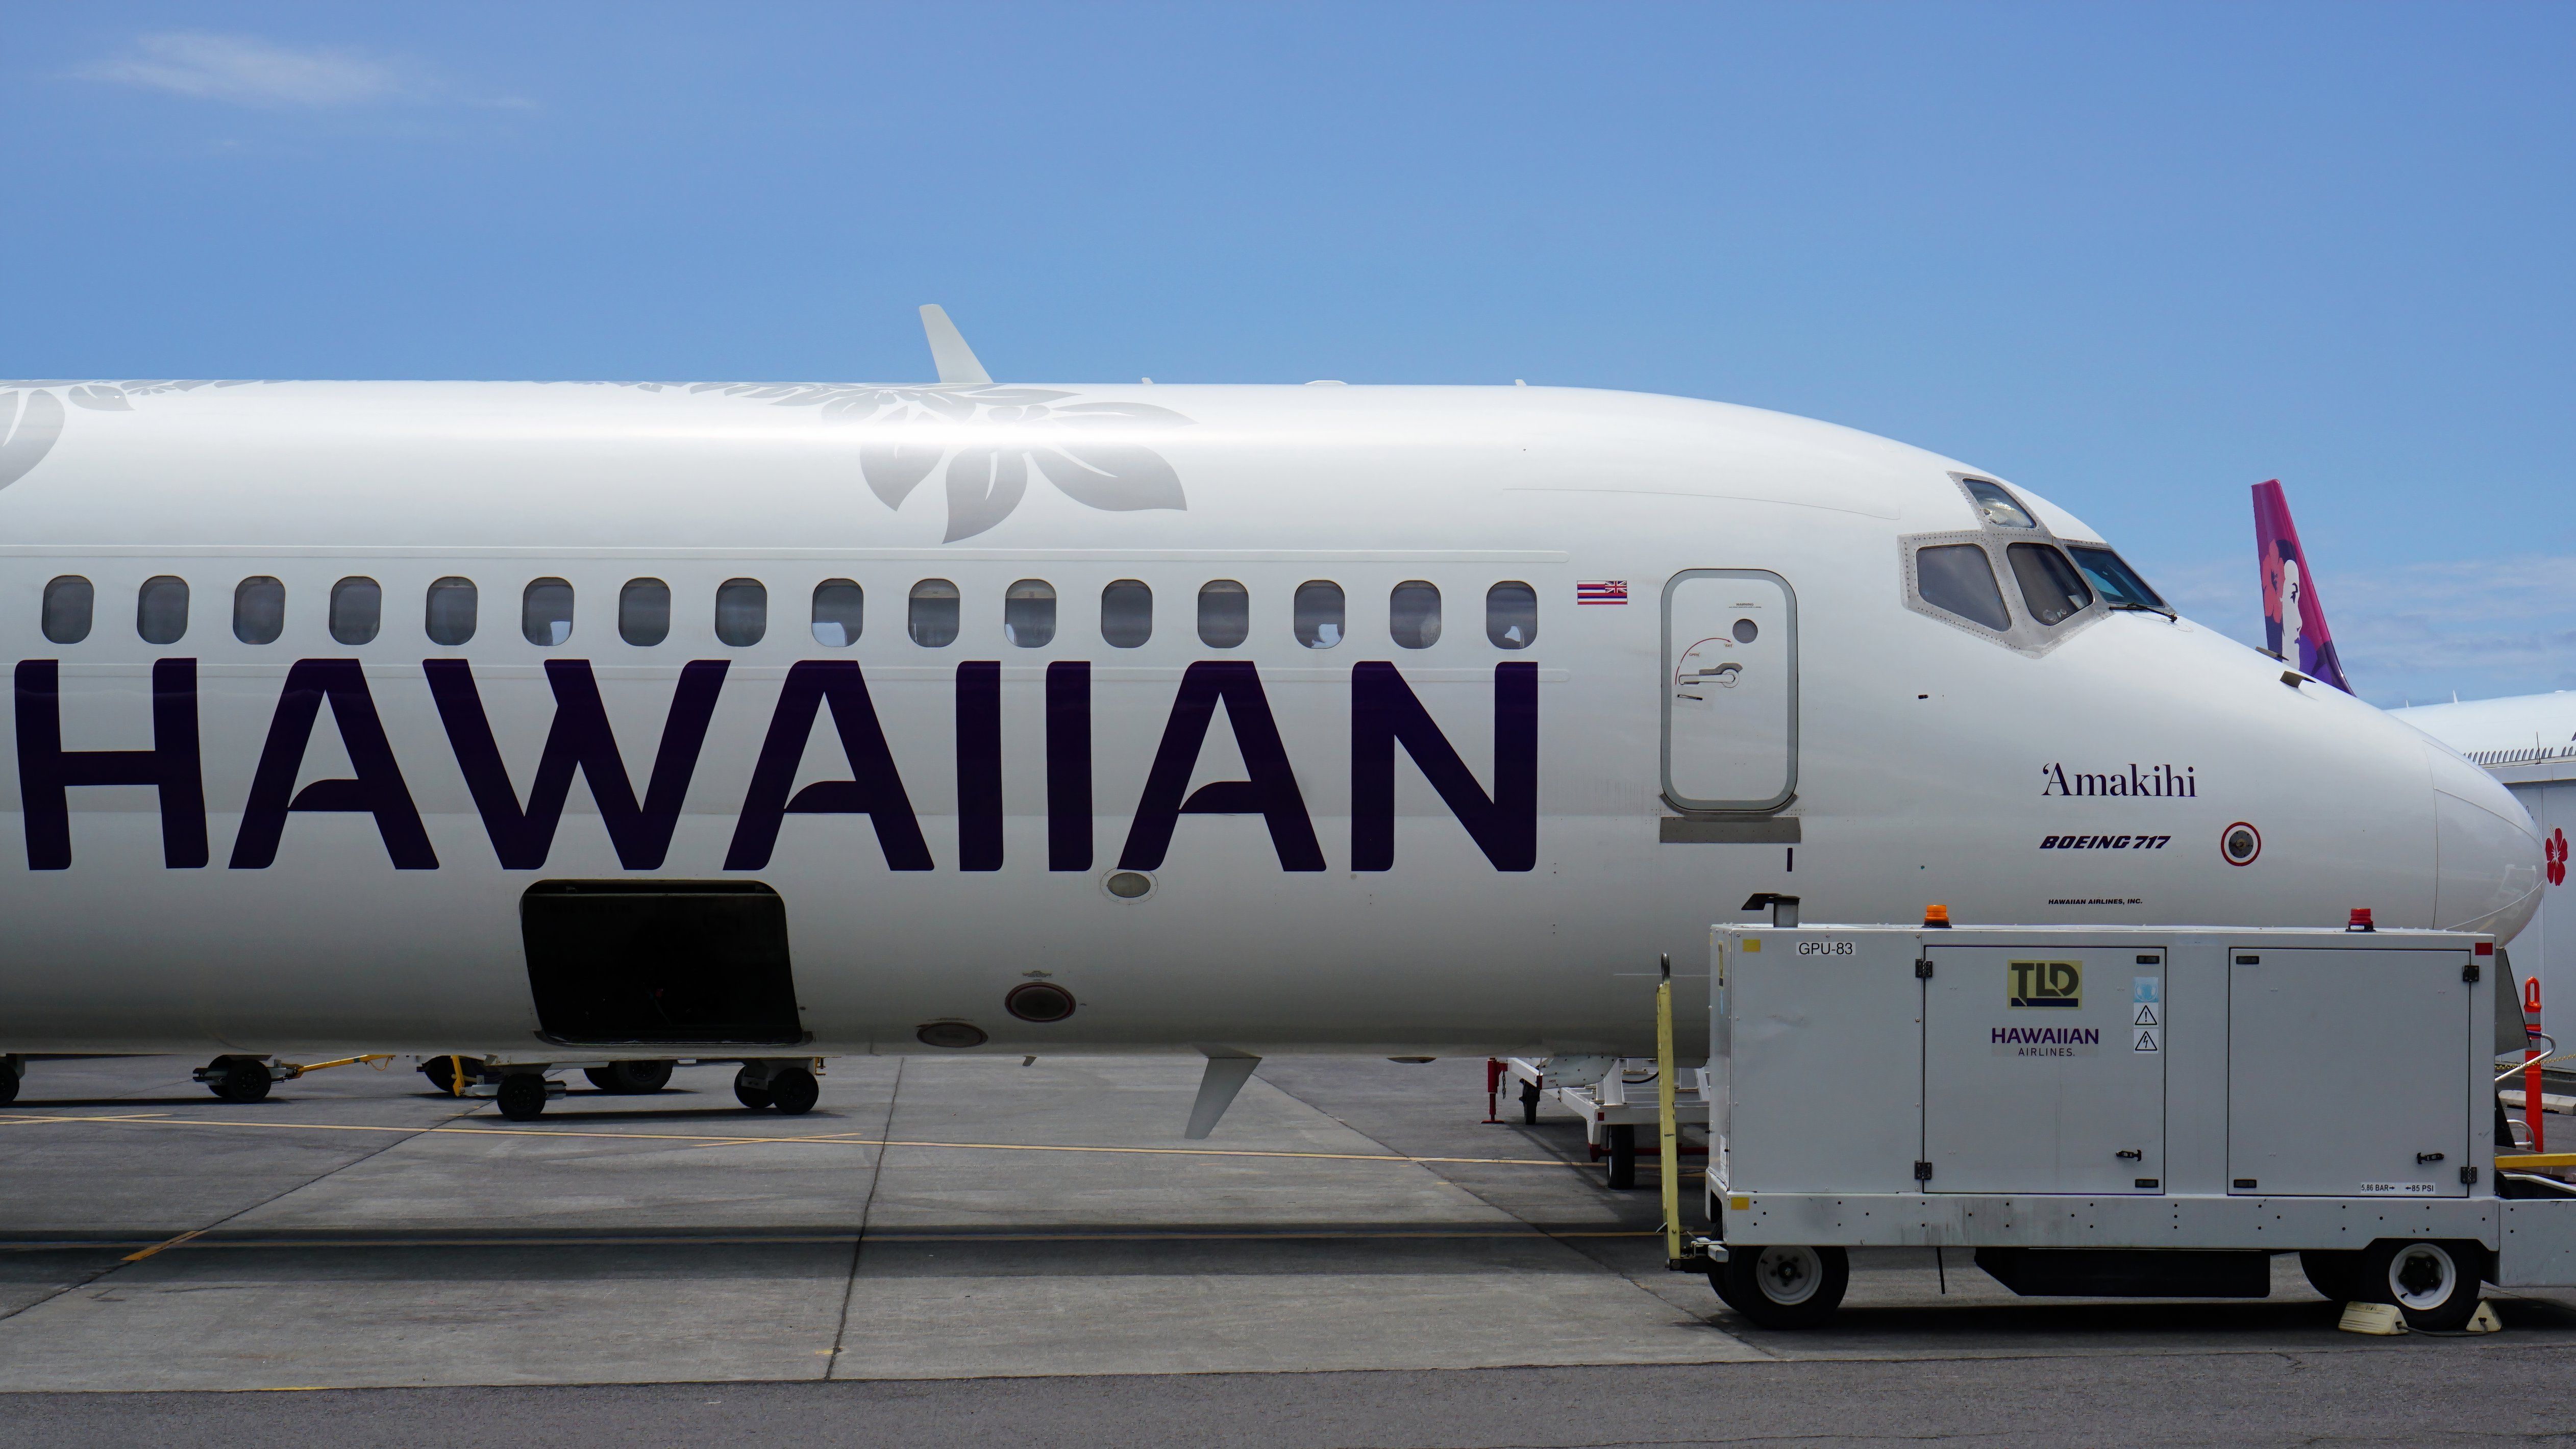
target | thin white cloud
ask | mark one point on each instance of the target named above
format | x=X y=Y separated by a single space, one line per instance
x=2420 y=632
x=247 y=70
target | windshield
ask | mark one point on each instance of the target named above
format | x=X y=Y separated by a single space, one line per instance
x=2048 y=586
x=2120 y=585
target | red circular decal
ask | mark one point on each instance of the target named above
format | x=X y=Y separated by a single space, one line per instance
x=2240 y=843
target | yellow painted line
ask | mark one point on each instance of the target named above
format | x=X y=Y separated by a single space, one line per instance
x=193 y=1240
x=2536 y=1159
x=827 y=1139
x=159 y=1247
x=130 y=1117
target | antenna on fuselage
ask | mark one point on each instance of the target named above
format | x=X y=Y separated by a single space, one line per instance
x=948 y=349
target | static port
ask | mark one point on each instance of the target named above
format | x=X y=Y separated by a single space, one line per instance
x=1039 y=1001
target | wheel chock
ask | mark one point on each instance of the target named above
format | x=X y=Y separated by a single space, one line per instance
x=2379 y=1318
x=2484 y=1320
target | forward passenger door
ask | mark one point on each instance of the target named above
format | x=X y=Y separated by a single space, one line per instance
x=1730 y=690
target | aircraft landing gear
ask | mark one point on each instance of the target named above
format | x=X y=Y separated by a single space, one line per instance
x=12 y=1068
x=522 y=1096
x=630 y=1079
x=237 y=1078
x=788 y=1086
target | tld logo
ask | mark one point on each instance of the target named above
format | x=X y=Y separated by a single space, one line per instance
x=2046 y=983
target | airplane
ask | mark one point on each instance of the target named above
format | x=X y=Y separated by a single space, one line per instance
x=553 y=725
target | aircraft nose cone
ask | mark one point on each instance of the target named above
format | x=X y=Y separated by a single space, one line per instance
x=2486 y=852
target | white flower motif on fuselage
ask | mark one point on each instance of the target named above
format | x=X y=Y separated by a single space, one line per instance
x=1088 y=450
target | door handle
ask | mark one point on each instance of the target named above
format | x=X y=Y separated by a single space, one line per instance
x=2424 y=1157
x=2132 y=1154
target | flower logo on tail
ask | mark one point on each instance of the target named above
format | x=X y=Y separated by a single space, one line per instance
x=2555 y=850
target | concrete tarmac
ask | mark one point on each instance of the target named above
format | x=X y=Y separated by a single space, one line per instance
x=963 y=1222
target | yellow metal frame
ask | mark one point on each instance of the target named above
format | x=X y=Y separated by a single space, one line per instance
x=1667 y=1136
x=373 y=1059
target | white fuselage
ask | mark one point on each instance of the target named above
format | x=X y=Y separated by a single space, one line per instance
x=1887 y=757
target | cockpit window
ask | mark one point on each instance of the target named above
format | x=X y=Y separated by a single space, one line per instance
x=2120 y=585
x=1956 y=578
x=2049 y=586
x=1997 y=506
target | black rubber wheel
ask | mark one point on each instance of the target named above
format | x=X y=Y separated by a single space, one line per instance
x=522 y=1096
x=2433 y=1281
x=2331 y=1271
x=1623 y=1157
x=794 y=1091
x=630 y=1079
x=246 y=1079
x=1529 y=1104
x=749 y=1091
x=12 y=1068
x=1783 y=1287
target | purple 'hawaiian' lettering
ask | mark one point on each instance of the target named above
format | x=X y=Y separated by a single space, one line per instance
x=47 y=772
x=1271 y=792
x=580 y=739
x=377 y=789
x=1385 y=713
x=874 y=789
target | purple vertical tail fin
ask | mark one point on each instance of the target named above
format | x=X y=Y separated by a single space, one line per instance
x=2294 y=621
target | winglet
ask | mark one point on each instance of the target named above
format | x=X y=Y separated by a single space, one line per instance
x=2294 y=621
x=956 y=360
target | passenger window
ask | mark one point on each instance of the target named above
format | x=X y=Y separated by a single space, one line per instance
x=68 y=601
x=1126 y=613
x=933 y=619
x=1413 y=614
x=644 y=612
x=357 y=610
x=545 y=612
x=742 y=612
x=1028 y=613
x=2120 y=585
x=451 y=611
x=1318 y=614
x=1997 y=506
x=161 y=609
x=838 y=604
x=1511 y=615
x=2049 y=585
x=259 y=610
x=1957 y=578
x=1225 y=613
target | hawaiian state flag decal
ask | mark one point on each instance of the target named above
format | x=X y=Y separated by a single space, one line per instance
x=1602 y=591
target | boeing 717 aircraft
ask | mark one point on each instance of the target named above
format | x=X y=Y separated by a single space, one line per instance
x=557 y=725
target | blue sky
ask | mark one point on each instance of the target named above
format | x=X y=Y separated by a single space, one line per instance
x=2138 y=257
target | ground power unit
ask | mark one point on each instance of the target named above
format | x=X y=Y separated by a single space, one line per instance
x=2118 y=1111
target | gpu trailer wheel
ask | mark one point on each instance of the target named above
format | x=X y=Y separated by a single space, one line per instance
x=2433 y=1281
x=1783 y=1287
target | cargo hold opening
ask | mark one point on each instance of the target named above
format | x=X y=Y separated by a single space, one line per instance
x=659 y=962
